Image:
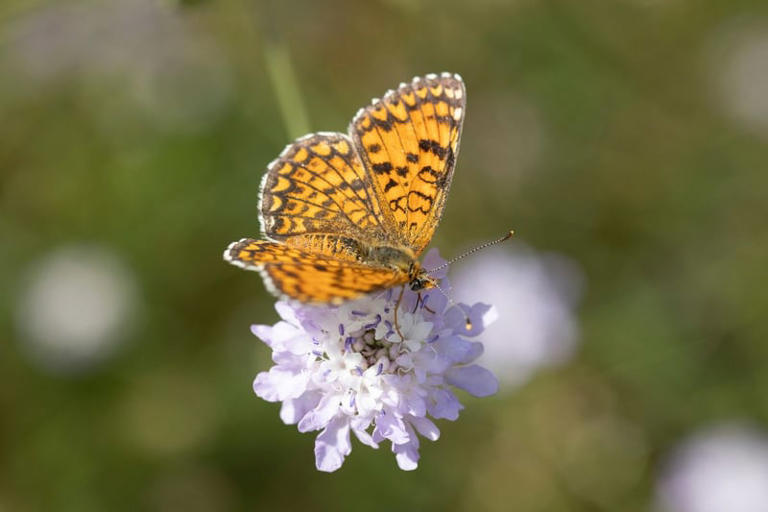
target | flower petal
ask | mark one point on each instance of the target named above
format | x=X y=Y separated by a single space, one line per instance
x=388 y=426
x=332 y=445
x=474 y=379
x=414 y=405
x=435 y=301
x=425 y=427
x=279 y=384
x=287 y=312
x=475 y=351
x=480 y=316
x=359 y=427
x=454 y=349
x=294 y=409
x=444 y=405
x=263 y=332
x=283 y=336
x=407 y=454
x=433 y=260
x=321 y=415
x=420 y=331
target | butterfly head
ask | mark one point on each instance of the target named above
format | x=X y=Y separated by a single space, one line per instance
x=418 y=279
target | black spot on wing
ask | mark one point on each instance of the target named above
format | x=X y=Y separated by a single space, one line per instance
x=382 y=168
x=429 y=175
x=385 y=124
x=434 y=147
x=427 y=199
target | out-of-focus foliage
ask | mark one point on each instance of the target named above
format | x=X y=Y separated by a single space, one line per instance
x=630 y=137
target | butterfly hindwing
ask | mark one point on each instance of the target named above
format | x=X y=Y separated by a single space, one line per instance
x=294 y=273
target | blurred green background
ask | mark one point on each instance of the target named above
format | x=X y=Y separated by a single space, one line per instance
x=628 y=135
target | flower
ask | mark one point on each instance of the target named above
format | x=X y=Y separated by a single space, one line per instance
x=737 y=73
x=348 y=369
x=170 y=71
x=724 y=468
x=76 y=308
x=538 y=294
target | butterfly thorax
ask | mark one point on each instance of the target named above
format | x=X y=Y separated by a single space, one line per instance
x=402 y=260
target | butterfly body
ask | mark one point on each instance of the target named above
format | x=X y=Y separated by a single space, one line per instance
x=345 y=215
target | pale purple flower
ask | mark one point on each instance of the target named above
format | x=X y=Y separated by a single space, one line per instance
x=137 y=59
x=736 y=59
x=345 y=369
x=76 y=306
x=538 y=294
x=721 y=469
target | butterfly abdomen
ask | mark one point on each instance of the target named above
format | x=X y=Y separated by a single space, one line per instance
x=390 y=257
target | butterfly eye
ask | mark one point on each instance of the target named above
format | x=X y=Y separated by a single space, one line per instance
x=421 y=282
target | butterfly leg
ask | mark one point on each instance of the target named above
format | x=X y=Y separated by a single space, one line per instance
x=424 y=304
x=397 y=306
x=421 y=301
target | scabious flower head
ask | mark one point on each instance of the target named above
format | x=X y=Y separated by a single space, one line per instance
x=347 y=369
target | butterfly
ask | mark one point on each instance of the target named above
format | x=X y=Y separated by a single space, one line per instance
x=344 y=215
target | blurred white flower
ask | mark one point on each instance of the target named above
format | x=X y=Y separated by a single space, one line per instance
x=722 y=469
x=535 y=295
x=143 y=51
x=75 y=308
x=738 y=68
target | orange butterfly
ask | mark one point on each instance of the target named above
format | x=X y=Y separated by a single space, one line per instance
x=346 y=215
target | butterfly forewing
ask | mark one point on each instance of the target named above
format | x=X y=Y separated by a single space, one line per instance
x=409 y=141
x=318 y=185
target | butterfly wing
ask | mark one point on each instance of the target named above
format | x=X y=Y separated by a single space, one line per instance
x=318 y=185
x=293 y=273
x=329 y=196
x=408 y=141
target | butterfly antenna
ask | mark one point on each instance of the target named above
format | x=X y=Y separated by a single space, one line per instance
x=471 y=251
x=452 y=303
